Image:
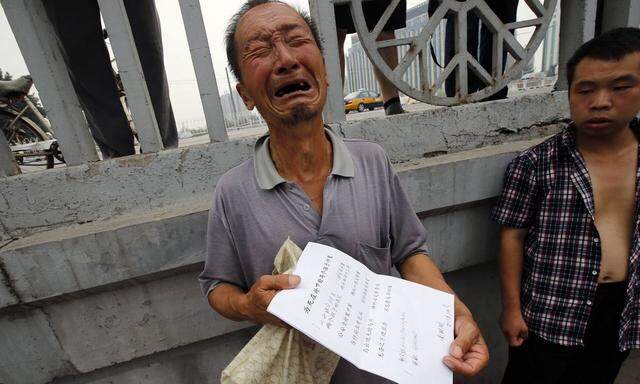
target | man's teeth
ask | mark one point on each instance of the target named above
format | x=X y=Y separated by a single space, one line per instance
x=301 y=86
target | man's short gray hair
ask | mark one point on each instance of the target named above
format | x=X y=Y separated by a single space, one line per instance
x=230 y=34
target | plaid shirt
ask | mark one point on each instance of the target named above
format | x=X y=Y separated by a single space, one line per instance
x=547 y=190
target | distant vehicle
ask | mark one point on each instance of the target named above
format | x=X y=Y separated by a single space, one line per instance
x=361 y=100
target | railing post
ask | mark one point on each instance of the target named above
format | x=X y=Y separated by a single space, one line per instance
x=206 y=77
x=620 y=13
x=8 y=165
x=577 y=25
x=323 y=15
x=41 y=51
x=115 y=19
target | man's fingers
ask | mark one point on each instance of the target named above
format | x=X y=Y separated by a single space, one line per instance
x=465 y=337
x=267 y=286
x=515 y=341
x=472 y=362
x=278 y=282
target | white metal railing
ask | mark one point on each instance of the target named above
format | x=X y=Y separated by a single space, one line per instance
x=578 y=20
x=37 y=41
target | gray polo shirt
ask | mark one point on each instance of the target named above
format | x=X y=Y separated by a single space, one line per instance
x=366 y=214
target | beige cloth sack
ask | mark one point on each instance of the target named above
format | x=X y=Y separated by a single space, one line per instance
x=281 y=356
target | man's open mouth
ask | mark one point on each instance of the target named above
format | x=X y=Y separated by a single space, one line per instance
x=298 y=86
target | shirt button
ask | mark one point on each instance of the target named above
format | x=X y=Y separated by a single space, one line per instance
x=589 y=302
x=306 y=207
x=594 y=272
x=596 y=239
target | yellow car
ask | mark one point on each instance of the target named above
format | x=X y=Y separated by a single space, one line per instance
x=361 y=100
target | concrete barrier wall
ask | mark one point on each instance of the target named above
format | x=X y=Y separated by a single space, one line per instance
x=107 y=300
x=182 y=178
x=115 y=299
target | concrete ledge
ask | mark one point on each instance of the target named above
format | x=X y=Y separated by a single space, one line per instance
x=179 y=177
x=414 y=135
x=67 y=261
x=202 y=362
x=30 y=351
x=88 y=333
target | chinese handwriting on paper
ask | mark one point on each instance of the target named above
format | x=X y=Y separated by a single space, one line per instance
x=319 y=281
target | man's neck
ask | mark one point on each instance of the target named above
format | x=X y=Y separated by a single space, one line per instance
x=302 y=152
x=606 y=145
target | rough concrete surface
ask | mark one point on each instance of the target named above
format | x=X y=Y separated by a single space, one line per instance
x=200 y=362
x=70 y=264
x=203 y=362
x=136 y=184
x=414 y=135
x=95 y=255
x=117 y=326
x=29 y=349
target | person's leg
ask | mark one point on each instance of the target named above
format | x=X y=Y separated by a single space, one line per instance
x=392 y=105
x=506 y=10
x=78 y=28
x=475 y=83
x=538 y=361
x=145 y=26
x=602 y=358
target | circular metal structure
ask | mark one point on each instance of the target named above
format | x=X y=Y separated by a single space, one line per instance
x=462 y=62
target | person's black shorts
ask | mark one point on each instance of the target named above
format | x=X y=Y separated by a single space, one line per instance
x=373 y=10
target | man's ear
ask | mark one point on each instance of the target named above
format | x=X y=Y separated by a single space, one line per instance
x=246 y=98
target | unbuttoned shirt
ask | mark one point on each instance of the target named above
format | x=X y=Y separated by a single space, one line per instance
x=366 y=214
x=547 y=189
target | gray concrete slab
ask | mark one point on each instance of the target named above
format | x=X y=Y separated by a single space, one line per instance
x=29 y=351
x=200 y=362
x=70 y=264
x=96 y=255
x=203 y=362
x=462 y=238
x=139 y=184
x=412 y=135
x=120 y=325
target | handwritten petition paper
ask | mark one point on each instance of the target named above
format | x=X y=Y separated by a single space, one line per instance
x=388 y=326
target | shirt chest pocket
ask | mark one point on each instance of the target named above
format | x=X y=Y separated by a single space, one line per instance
x=376 y=259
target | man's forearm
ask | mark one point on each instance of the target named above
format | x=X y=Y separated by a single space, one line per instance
x=226 y=299
x=420 y=269
x=510 y=261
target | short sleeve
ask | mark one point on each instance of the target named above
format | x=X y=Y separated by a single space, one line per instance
x=222 y=264
x=408 y=236
x=516 y=205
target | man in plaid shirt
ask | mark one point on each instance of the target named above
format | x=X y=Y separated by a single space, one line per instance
x=570 y=238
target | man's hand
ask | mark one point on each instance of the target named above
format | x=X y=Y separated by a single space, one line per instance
x=253 y=305
x=513 y=326
x=469 y=353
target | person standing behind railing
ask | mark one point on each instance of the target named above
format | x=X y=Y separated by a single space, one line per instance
x=77 y=25
x=479 y=43
x=373 y=10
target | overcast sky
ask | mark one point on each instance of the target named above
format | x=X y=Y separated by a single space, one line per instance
x=182 y=84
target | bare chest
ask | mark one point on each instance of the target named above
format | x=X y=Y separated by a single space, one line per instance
x=614 y=186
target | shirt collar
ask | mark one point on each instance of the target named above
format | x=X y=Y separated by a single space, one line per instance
x=268 y=177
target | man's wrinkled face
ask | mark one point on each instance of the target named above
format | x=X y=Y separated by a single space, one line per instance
x=605 y=95
x=281 y=66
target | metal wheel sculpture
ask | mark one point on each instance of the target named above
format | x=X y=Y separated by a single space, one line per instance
x=462 y=61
